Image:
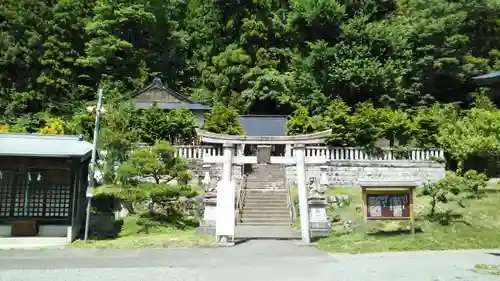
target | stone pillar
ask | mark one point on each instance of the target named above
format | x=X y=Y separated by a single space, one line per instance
x=207 y=225
x=206 y=176
x=302 y=190
x=227 y=166
x=241 y=150
x=288 y=150
x=320 y=225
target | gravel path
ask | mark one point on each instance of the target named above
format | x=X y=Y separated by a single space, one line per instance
x=250 y=261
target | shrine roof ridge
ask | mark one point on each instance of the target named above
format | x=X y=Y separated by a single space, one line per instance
x=381 y=182
x=314 y=138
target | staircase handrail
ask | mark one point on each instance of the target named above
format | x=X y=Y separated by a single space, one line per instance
x=241 y=196
x=291 y=206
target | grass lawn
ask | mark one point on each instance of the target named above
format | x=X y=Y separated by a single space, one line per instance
x=479 y=227
x=487 y=269
x=161 y=237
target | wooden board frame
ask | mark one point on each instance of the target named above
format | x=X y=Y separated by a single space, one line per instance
x=385 y=190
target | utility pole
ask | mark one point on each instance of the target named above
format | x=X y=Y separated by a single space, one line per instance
x=90 y=188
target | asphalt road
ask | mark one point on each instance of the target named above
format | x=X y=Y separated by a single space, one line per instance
x=252 y=261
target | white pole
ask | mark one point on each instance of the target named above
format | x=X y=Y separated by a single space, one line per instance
x=227 y=166
x=90 y=187
x=302 y=190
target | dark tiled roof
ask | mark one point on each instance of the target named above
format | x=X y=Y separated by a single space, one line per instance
x=263 y=125
x=190 y=106
x=488 y=79
x=157 y=84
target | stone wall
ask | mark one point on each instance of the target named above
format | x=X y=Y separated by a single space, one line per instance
x=215 y=171
x=346 y=173
x=343 y=173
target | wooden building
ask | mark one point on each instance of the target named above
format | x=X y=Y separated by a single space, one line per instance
x=166 y=98
x=43 y=179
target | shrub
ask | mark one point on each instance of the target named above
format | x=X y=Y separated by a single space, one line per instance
x=454 y=188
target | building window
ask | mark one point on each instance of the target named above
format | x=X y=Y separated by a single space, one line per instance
x=39 y=193
x=6 y=192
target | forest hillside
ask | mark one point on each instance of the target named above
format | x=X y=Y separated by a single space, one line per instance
x=259 y=56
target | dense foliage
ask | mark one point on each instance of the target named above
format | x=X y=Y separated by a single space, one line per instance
x=153 y=179
x=367 y=69
x=257 y=56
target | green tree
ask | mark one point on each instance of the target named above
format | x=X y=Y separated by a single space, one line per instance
x=175 y=125
x=477 y=133
x=148 y=175
x=223 y=120
x=118 y=135
x=301 y=123
x=337 y=118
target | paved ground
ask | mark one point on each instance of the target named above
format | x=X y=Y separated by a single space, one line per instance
x=250 y=261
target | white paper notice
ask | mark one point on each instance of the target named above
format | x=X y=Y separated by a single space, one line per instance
x=375 y=211
x=225 y=213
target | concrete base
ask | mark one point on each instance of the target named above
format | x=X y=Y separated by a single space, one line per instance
x=320 y=231
x=225 y=244
x=68 y=233
x=318 y=220
x=17 y=243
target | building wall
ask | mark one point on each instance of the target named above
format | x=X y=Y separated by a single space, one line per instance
x=70 y=226
x=346 y=173
x=199 y=117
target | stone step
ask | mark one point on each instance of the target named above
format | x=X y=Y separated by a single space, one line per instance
x=12 y=243
x=265 y=183
x=282 y=191
x=267 y=172
x=266 y=207
x=265 y=179
x=266 y=186
x=265 y=197
x=262 y=223
x=265 y=193
x=254 y=178
x=268 y=200
x=250 y=185
x=263 y=203
x=259 y=214
x=274 y=206
x=265 y=189
x=266 y=220
x=255 y=194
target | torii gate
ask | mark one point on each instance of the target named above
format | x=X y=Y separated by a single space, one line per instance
x=298 y=142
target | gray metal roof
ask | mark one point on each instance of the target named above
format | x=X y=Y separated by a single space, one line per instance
x=18 y=144
x=264 y=125
x=488 y=79
x=190 y=106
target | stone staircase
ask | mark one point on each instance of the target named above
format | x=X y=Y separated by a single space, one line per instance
x=266 y=199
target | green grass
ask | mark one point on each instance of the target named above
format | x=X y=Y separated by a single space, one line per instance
x=161 y=237
x=478 y=228
x=487 y=269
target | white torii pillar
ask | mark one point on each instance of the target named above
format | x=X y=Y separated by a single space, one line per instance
x=225 y=210
x=227 y=166
x=302 y=190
